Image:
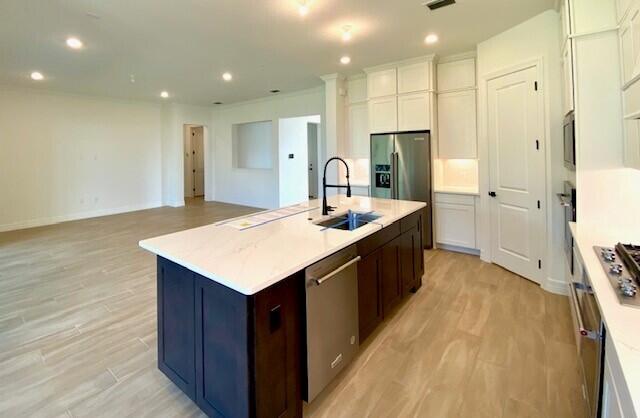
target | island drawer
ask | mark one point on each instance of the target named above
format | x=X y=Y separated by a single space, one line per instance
x=377 y=240
x=410 y=221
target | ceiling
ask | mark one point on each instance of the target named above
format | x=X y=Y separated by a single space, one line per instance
x=185 y=46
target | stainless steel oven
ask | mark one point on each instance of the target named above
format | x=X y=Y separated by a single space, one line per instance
x=590 y=333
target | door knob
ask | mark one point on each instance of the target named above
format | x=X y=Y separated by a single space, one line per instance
x=492 y=194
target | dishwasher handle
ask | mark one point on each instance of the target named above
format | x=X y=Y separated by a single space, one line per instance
x=336 y=271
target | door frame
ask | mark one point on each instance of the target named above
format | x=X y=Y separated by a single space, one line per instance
x=206 y=145
x=485 y=159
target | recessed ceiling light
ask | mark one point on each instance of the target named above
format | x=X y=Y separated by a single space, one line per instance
x=164 y=94
x=303 y=7
x=346 y=33
x=431 y=39
x=345 y=60
x=74 y=43
x=37 y=76
x=227 y=77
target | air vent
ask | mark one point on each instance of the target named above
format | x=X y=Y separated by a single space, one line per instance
x=436 y=4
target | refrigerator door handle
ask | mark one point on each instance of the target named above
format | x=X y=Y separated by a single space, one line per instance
x=392 y=180
x=396 y=163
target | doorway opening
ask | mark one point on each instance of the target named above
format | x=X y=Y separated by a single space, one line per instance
x=194 y=185
x=298 y=174
x=312 y=158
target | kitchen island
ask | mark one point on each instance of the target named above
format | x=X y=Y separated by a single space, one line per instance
x=231 y=298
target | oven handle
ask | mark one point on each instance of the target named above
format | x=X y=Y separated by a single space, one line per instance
x=564 y=199
x=573 y=297
x=336 y=271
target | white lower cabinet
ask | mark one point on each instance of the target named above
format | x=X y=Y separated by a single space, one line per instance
x=617 y=401
x=611 y=407
x=455 y=220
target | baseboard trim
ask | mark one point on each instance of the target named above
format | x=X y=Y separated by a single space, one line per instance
x=471 y=251
x=176 y=204
x=33 y=223
x=559 y=287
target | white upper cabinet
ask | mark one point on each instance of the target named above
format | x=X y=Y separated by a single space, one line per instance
x=382 y=83
x=457 y=134
x=567 y=69
x=457 y=137
x=566 y=20
x=621 y=7
x=587 y=16
x=456 y=75
x=413 y=78
x=358 y=123
x=632 y=143
x=400 y=96
x=383 y=114
x=629 y=35
x=413 y=112
x=357 y=89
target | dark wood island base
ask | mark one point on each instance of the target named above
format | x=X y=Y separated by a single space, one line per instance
x=239 y=355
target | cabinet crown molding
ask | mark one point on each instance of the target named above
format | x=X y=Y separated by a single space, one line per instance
x=334 y=76
x=457 y=57
x=389 y=65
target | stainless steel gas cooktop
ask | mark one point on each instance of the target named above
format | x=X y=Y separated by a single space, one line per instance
x=622 y=265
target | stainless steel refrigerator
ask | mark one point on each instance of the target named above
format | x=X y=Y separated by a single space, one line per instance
x=401 y=169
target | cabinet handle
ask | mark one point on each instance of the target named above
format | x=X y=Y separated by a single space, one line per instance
x=573 y=297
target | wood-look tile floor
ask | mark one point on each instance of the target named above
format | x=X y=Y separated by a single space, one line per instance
x=78 y=333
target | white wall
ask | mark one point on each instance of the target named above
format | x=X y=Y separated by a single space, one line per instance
x=258 y=188
x=251 y=146
x=67 y=157
x=293 y=179
x=174 y=118
x=536 y=38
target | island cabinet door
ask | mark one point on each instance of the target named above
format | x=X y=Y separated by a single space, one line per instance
x=277 y=353
x=176 y=325
x=391 y=277
x=407 y=260
x=369 y=298
x=418 y=252
x=222 y=350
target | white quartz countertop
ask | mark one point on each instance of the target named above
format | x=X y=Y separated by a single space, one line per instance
x=622 y=321
x=253 y=259
x=457 y=190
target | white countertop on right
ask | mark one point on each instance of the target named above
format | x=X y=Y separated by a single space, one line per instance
x=622 y=321
x=457 y=190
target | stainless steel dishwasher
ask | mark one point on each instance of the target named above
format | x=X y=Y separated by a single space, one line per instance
x=332 y=317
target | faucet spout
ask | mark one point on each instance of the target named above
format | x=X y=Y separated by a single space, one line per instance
x=325 y=207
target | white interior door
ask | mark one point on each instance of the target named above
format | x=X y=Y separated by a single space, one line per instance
x=517 y=172
x=197 y=142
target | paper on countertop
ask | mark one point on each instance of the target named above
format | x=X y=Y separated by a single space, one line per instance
x=264 y=217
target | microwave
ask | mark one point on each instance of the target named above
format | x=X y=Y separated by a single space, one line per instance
x=570 y=141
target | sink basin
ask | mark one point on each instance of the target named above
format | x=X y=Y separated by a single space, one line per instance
x=348 y=221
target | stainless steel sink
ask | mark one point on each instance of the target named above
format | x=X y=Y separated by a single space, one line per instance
x=348 y=221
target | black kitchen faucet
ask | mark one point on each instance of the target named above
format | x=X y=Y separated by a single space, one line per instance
x=326 y=208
